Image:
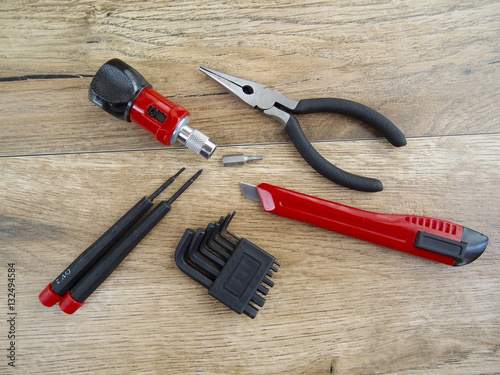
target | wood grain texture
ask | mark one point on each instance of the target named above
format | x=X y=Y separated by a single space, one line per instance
x=340 y=305
x=431 y=68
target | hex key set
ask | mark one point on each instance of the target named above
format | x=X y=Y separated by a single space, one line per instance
x=233 y=269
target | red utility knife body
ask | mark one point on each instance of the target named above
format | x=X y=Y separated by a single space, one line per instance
x=425 y=237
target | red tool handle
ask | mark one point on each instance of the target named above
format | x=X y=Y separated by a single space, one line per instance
x=158 y=115
x=429 y=238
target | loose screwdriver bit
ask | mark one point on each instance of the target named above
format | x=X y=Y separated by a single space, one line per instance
x=239 y=159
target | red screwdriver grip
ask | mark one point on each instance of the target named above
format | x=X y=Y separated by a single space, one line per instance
x=158 y=115
x=397 y=232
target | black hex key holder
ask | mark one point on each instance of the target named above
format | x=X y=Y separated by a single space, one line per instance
x=233 y=269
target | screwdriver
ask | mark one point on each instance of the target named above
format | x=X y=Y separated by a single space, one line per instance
x=75 y=271
x=77 y=295
x=123 y=92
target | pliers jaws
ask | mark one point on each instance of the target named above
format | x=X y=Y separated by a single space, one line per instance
x=255 y=94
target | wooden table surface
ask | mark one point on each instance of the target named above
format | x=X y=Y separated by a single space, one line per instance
x=340 y=305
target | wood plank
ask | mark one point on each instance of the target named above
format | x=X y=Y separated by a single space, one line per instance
x=431 y=68
x=339 y=305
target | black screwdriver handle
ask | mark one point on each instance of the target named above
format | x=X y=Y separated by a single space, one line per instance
x=349 y=108
x=112 y=259
x=115 y=87
x=81 y=265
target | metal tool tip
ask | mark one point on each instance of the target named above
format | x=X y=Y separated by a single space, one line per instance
x=250 y=191
x=196 y=175
x=184 y=187
x=180 y=171
x=239 y=159
x=205 y=70
x=247 y=184
x=166 y=184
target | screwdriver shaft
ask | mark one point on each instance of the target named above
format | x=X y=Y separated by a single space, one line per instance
x=166 y=184
x=184 y=187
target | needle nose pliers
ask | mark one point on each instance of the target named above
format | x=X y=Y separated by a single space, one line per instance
x=282 y=109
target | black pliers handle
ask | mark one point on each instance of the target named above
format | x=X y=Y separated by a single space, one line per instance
x=349 y=108
x=280 y=107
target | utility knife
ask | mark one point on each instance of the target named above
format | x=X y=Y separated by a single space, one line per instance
x=429 y=238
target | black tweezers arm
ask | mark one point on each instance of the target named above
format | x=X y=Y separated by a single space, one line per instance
x=349 y=108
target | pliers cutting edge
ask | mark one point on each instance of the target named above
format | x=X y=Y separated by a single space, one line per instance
x=276 y=105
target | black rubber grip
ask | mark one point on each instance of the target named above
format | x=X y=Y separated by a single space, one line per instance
x=323 y=166
x=115 y=87
x=356 y=110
